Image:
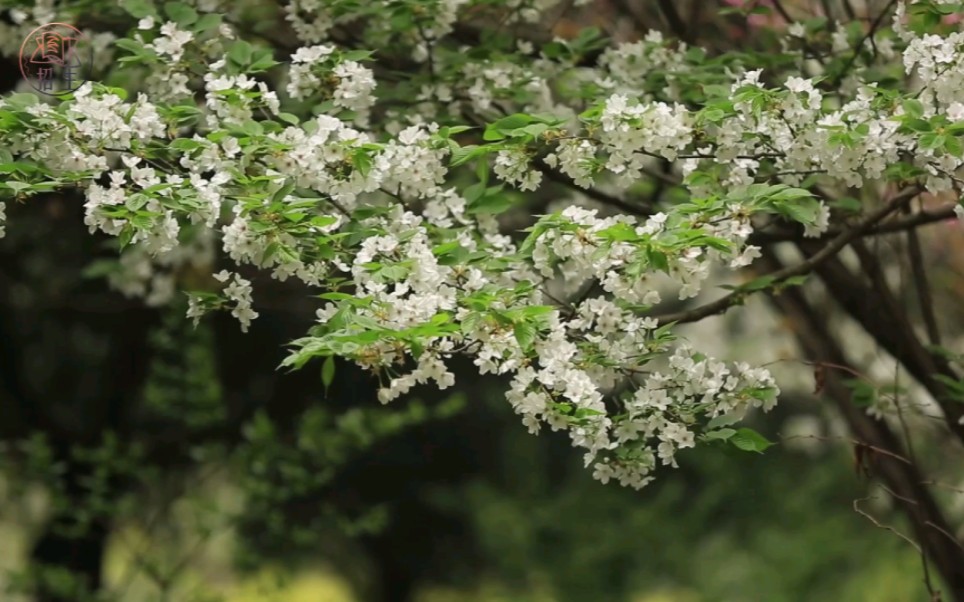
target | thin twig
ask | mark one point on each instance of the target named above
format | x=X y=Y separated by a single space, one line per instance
x=855 y=442
x=878 y=524
x=868 y=36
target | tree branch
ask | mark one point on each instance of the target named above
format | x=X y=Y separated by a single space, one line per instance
x=868 y=36
x=923 y=287
x=593 y=193
x=921 y=218
x=827 y=252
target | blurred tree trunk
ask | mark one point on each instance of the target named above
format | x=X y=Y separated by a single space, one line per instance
x=66 y=545
x=886 y=457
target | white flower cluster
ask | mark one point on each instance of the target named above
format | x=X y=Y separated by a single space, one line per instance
x=3 y=219
x=106 y=121
x=311 y=19
x=315 y=69
x=230 y=99
x=661 y=417
x=244 y=245
x=158 y=236
x=939 y=63
x=322 y=160
x=626 y=67
x=170 y=44
x=574 y=364
x=632 y=132
x=584 y=252
x=576 y=159
x=408 y=287
x=238 y=291
x=415 y=168
x=486 y=82
x=668 y=404
x=419 y=258
x=512 y=166
x=791 y=129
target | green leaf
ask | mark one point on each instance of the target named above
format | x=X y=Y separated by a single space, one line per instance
x=932 y=140
x=724 y=420
x=362 y=162
x=453 y=130
x=467 y=153
x=758 y=284
x=283 y=192
x=713 y=115
x=138 y=8
x=492 y=201
x=17 y=187
x=955 y=386
x=918 y=125
x=495 y=131
x=722 y=434
x=206 y=22
x=848 y=204
x=125 y=237
x=328 y=372
x=795 y=280
x=240 y=53
x=474 y=192
x=863 y=393
x=953 y=146
x=136 y=201
x=357 y=55
x=180 y=13
x=289 y=118
x=185 y=144
x=525 y=334
x=749 y=440
x=261 y=61
x=913 y=107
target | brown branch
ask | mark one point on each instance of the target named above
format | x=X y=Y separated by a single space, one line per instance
x=668 y=9
x=826 y=253
x=880 y=525
x=873 y=448
x=593 y=193
x=920 y=218
x=923 y=287
x=849 y=9
x=868 y=36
